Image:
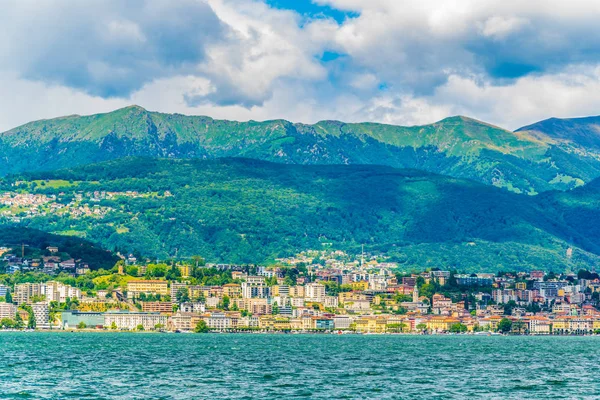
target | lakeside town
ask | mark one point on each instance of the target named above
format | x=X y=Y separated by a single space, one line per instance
x=318 y=291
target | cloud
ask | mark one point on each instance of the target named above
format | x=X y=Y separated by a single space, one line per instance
x=407 y=62
x=106 y=48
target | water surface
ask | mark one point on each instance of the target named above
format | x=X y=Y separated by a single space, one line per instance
x=246 y=366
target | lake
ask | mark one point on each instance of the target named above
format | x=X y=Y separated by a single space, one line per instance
x=54 y=365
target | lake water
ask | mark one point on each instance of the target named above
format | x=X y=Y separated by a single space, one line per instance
x=173 y=366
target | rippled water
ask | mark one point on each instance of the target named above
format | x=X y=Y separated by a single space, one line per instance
x=171 y=366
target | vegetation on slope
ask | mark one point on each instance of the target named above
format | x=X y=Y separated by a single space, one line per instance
x=34 y=243
x=248 y=211
x=458 y=146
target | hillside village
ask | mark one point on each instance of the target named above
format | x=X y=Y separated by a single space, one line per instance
x=316 y=291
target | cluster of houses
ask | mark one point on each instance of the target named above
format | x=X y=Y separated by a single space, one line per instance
x=372 y=301
x=51 y=264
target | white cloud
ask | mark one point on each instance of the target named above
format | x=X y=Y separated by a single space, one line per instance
x=500 y=27
x=506 y=62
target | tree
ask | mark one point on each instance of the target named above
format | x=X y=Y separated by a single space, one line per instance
x=182 y=295
x=7 y=323
x=226 y=302
x=201 y=327
x=275 y=309
x=140 y=327
x=18 y=321
x=113 y=325
x=8 y=297
x=518 y=326
x=458 y=328
x=505 y=325
x=421 y=327
x=81 y=325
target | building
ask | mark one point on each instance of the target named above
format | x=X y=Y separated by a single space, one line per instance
x=25 y=291
x=232 y=290
x=137 y=287
x=8 y=310
x=3 y=290
x=549 y=289
x=342 y=322
x=218 y=321
x=473 y=280
x=296 y=291
x=314 y=292
x=41 y=312
x=157 y=306
x=131 y=320
x=72 y=318
x=192 y=307
x=183 y=321
x=59 y=292
x=281 y=290
x=324 y=323
x=255 y=287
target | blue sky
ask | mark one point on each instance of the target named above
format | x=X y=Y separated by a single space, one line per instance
x=310 y=9
x=399 y=62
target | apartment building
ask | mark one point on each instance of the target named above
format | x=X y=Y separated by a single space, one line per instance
x=137 y=287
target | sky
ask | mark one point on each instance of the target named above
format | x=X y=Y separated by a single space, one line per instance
x=407 y=62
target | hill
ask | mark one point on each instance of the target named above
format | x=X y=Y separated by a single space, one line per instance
x=582 y=132
x=459 y=147
x=243 y=210
x=35 y=243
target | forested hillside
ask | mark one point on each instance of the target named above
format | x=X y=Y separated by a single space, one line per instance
x=241 y=210
x=461 y=147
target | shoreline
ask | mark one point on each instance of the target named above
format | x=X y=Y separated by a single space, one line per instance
x=304 y=333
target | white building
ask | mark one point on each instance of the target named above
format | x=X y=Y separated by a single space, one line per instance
x=255 y=287
x=41 y=312
x=131 y=320
x=8 y=310
x=342 y=322
x=314 y=292
x=193 y=307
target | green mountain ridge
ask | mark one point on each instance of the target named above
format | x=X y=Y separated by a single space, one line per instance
x=246 y=210
x=584 y=132
x=457 y=146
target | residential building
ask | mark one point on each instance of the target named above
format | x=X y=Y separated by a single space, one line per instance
x=7 y=310
x=131 y=320
x=41 y=313
x=137 y=287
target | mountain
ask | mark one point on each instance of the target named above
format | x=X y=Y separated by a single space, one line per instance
x=458 y=146
x=582 y=132
x=244 y=210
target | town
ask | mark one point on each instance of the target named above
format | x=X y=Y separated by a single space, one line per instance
x=318 y=291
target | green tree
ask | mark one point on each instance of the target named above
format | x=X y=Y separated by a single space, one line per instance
x=505 y=325
x=226 y=302
x=113 y=325
x=458 y=328
x=421 y=327
x=201 y=327
x=8 y=297
x=182 y=295
x=31 y=320
x=18 y=321
x=140 y=327
x=81 y=325
x=7 y=323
